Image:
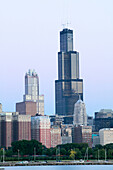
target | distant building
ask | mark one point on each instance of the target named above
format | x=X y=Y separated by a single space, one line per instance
x=95 y=139
x=0 y=108
x=106 y=136
x=41 y=105
x=27 y=108
x=66 y=133
x=32 y=91
x=82 y=134
x=40 y=130
x=14 y=127
x=6 y=130
x=103 y=119
x=56 y=120
x=59 y=120
x=21 y=127
x=80 y=116
x=90 y=120
x=55 y=136
x=31 y=86
x=68 y=87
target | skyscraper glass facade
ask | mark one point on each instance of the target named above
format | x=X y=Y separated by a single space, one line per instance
x=68 y=87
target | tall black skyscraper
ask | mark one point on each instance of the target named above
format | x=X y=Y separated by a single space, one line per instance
x=68 y=87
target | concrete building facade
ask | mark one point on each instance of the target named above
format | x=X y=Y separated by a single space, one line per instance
x=106 y=136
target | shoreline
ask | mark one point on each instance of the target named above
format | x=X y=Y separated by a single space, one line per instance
x=53 y=163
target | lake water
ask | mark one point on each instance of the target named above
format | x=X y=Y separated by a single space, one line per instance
x=63 y=167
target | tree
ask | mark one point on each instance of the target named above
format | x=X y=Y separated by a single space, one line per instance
x=72 y=154
x=26 y=147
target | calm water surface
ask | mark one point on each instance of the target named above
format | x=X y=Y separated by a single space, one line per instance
x=63 y=167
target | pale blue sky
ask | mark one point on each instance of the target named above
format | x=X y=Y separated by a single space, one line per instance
x=29 y=38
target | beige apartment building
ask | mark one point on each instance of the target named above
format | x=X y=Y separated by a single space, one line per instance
x=106 y=136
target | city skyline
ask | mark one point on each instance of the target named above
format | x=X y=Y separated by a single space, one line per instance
x=30 y=39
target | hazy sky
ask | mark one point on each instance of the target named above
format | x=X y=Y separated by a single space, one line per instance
x=29 y=38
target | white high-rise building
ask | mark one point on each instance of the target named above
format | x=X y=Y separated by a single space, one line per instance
x=80 y=116
x=32 y=90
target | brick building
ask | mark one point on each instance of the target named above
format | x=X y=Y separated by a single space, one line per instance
x=40 y=130
x=27 y=108
x=14 y=127
x=55 y=136
x=82 y=134
x=21 y=127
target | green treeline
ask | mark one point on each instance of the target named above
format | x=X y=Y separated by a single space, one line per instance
x=25 y=150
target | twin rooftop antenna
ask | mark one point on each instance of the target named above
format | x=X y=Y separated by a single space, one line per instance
x=66 y=25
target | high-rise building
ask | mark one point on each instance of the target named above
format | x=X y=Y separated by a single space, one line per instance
x=80 y=116
x=106 y=136
x=21 y=127
x=31 y=86
x=55 y=136
x=26 y=108
x=40 y=130
x=32 y=91
x=68 y=87
x=66 y=133
x=41 y=105
x=103 y=119
x=14 y=127
x=82 y=134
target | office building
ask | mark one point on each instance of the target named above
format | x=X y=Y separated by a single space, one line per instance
x=32 y=91
x=68 y=87
x=40 y=130
x=26 y=108
x=82 y=134
x=106 y=136
x=55 y=136
x=31 y=86
x=95 y=139
x=80 y=116
x=103 y=119
x=90 y=121
x=66 y=133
